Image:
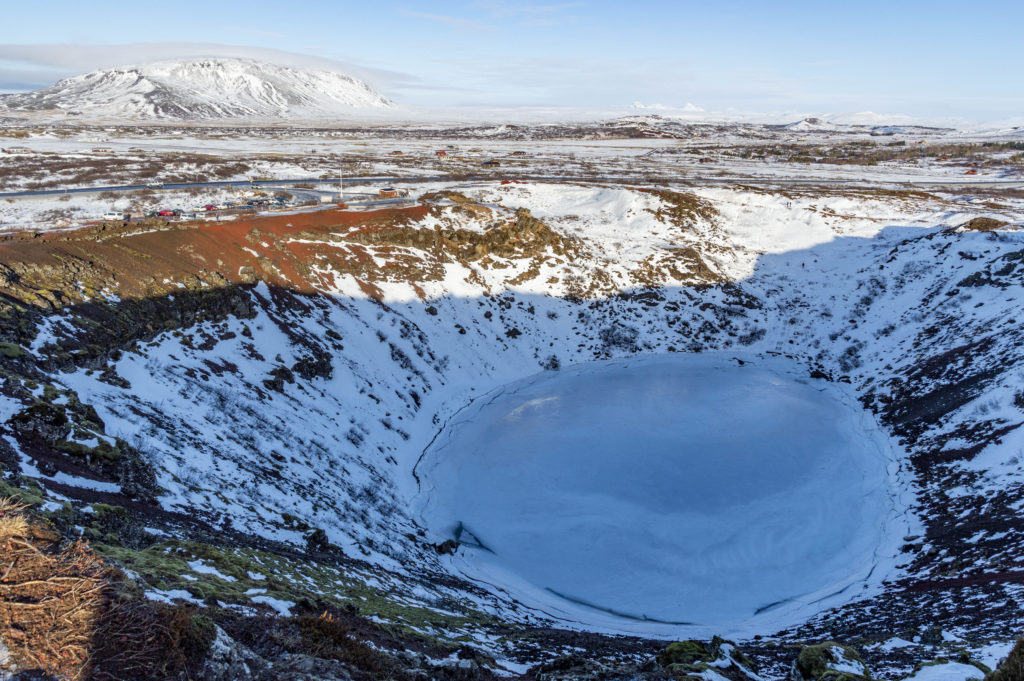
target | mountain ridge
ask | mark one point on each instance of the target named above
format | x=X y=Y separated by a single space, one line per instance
x=203 y=89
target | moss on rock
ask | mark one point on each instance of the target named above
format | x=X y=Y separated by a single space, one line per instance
x=685 y=653
x=11 y=350
x=26 y=491
x=691 y=658
x=829 y=661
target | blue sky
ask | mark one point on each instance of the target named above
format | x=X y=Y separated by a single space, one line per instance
x=931 y=59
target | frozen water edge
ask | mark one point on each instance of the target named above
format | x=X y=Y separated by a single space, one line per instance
x=607 y=513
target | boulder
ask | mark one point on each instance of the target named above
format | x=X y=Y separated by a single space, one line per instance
x=829 y=661
x=685 y=652
x=691 y=658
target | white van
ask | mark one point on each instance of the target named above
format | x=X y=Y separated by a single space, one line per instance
x=115 y=215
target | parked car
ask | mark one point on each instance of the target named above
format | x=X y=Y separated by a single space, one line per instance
x=115 y=215
x=167 y=213
x=209 y=206
x=155 y=185
x=188 y=216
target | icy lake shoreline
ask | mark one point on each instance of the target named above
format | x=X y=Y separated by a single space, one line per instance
x=646 y=495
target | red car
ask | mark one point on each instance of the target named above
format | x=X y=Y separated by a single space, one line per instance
x=209 y=206
x=167 y=213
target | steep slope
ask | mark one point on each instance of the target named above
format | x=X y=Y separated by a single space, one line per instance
x=203 y=89
x=256 y=395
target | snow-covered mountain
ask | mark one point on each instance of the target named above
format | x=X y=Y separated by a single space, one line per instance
x=203 y=89
x=812 y=124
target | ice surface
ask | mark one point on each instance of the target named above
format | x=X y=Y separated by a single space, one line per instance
x=668 y=489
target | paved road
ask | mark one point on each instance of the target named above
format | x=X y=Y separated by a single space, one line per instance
x=641 y=179
x=189 y=185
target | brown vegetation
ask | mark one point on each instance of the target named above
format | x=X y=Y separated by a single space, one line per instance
x=683 y=209
x=326 y=636
x=1012 y=668
x=51 y=598
x=54 y=270
x=869 y=153
x=65 y=613
x=137 y=261
x=983 y=225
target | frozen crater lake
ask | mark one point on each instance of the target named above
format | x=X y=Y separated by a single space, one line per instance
x=669 y=490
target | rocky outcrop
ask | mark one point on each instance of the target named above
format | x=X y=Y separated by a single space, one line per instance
x=690 y=659
x=684 y=209
x=829 y=661
x=53 y=432
x=523 y=237
x=983 y=224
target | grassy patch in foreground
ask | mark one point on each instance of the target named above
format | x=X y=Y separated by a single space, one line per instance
x=233 y=576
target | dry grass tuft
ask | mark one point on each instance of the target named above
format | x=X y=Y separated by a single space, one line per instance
x=326 y=636
x=983 y=225
x=51 y=598
x=12 y=522
x=138 y=639
x=65 y=613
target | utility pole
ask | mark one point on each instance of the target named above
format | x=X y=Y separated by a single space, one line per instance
x=341 y=183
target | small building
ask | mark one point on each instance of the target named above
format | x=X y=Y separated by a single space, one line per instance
x=102 y=150
x=491 y=164
x=441 y=152
x=17 y=150
x=707 y=160
x=519 y=153
x=972 y=171
x=392 y=193
x=397 y=153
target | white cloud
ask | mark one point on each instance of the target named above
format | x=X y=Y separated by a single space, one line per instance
x=40 y=65
x=506 y=8
x=457 y=22
x=686 y=108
